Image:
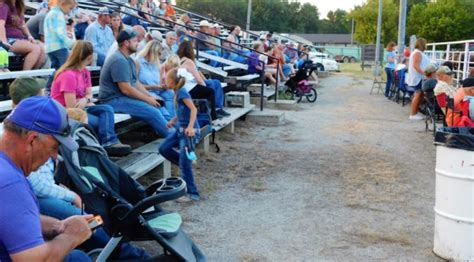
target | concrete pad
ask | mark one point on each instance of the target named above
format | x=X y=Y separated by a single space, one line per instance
x=281 y=104
x=266 y=117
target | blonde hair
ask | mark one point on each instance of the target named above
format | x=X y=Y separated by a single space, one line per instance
x=171 y=62
x=77 y=114
x=420 y=44
x=79 y=53
x=152 y=51
x=177 y=81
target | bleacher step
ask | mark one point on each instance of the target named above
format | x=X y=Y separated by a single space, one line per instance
x=144 y=159
x=267 y=117
x=281 y=104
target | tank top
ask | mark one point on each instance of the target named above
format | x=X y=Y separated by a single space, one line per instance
x=190 y=80
x=414 y=78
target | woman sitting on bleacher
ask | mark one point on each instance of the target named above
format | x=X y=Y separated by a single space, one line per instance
x=73 y=89
x=209 y=89
x=148 y=66
x=15 y=37
x=116 y=24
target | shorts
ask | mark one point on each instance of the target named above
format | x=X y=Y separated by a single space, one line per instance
x=417 y=88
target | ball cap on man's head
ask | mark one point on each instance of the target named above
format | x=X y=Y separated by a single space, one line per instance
x=46 y=116
x=104 y=11
x=444 y=70
x=204 y=23
x=24 y=87
x=125 y=35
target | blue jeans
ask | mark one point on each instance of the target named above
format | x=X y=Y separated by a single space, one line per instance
x=60 y=209
x=235 y=57
x=179 y=139
x=168 y=96
x=286 y=69
x=143 y=111
x=218 y=92
x=77 y=256
x=214 y=53
x=58 y=58
x=100 y=59
x=389 y=73
x=101 y=118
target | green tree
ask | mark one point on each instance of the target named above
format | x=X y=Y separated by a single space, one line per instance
x=338 y=22
x=440 y=21
x=365 y=17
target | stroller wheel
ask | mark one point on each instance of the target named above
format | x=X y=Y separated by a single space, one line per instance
x=312 y=95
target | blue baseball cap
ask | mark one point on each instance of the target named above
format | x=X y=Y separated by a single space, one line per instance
x=46 y=116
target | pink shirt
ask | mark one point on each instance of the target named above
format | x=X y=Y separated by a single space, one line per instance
x=71 y=81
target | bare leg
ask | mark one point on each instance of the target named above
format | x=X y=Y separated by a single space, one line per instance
x=29 y=50
x=416 y=102
x=42 y=56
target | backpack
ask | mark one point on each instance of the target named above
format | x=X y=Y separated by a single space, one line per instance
x=204 y=120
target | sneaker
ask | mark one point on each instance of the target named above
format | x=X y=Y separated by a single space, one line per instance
x=194 y=197
x=418 y=116
x=183 y=199
x=222 y=113
x=118 y=149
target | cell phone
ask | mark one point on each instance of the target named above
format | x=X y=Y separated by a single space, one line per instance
x=95 y=222
x=161 y=102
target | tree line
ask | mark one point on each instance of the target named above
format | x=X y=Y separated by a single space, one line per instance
x=437 y=21
x=271 y=15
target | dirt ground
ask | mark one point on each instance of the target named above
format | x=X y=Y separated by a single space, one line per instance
x=347 y=178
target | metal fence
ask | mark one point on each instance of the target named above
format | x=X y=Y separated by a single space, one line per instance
x=459 y=53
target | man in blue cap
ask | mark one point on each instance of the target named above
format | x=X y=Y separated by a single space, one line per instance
x=32 y=133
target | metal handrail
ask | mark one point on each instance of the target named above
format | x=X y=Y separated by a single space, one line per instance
x=262 y=74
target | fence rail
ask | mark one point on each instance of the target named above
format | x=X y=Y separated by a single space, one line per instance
x=459 y=53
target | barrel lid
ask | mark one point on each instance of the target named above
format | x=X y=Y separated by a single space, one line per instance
x=455 y=137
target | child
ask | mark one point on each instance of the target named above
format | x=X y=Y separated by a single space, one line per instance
x=56 y=36
x=187 y=131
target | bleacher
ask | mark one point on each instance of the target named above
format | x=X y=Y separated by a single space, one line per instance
x=145 y=158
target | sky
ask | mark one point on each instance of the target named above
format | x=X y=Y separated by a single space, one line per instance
x=325 y=6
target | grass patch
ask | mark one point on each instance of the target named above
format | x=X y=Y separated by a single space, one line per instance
x=283 y=96
x=356 y=70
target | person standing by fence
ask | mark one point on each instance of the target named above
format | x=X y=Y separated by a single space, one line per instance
x=390 y=57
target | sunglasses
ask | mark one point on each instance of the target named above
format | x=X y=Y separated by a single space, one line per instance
x=65 y=132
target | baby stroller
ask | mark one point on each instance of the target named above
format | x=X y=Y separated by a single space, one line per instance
x=299 y=86
x=129 y=211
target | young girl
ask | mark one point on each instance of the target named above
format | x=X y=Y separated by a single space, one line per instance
x=187 y=131
x=72 y=88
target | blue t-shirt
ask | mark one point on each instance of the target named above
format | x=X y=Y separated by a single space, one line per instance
x=20 y=226
x=117 y=68
x=149 y=72
x=183 y=111
x=388 y=55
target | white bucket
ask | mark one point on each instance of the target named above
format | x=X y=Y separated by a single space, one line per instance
x=454 y=208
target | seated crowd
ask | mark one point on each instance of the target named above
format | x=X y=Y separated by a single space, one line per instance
x=142 y=75
x=432 y=83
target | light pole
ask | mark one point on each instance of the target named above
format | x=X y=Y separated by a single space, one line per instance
x=401 y=28
x=249 y=13
x=377 y=45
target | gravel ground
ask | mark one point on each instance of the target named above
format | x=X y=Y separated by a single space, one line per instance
x=347 y=178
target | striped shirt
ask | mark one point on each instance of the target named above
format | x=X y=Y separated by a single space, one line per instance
x=43 y=184
x=55 y=33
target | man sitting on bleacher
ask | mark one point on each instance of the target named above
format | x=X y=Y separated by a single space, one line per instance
x=100 y=35
x=169 y=46
x=205 y=42
x=120 y=88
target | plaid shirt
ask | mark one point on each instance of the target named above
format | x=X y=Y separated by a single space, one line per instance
x=42 y=182
x=55 y=34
